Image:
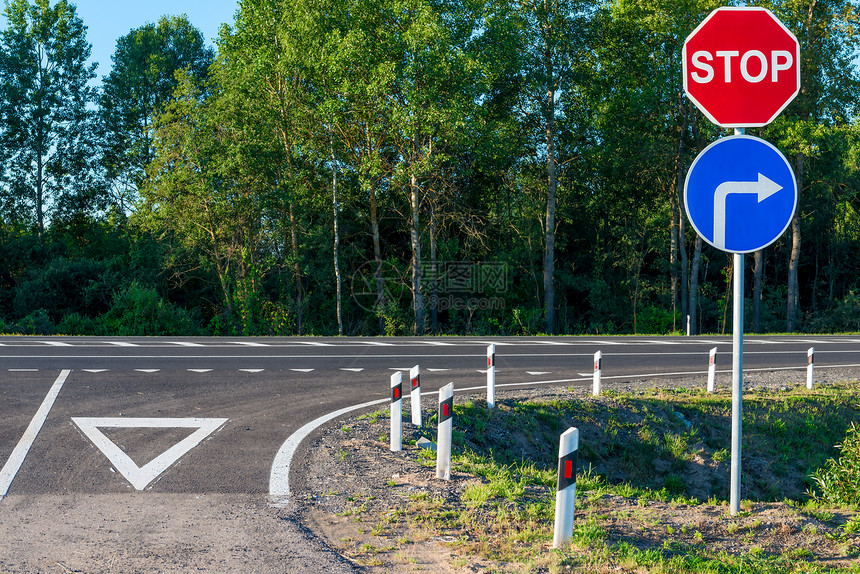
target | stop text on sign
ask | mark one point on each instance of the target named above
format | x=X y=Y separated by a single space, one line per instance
x=741 y=66
x=753 y=66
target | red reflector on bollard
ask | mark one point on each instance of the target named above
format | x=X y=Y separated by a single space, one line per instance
x=568 y=469
x=445 y=410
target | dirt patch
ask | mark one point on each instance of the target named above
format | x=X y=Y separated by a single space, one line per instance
x=149 y=532
x=373 y=505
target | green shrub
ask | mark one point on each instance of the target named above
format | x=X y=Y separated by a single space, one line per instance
x=36 y=323
x=77 y=324
x=67 y=286
x=140 y=311
x=839 y=480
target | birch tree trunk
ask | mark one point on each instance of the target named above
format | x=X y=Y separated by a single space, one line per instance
x=417 y=297
x=297 y=268
x=336 y=247
x=377 y=253
x=792 y=296
x=758 y=277
x=694 y=287
x=434 y=272
x=552 y=182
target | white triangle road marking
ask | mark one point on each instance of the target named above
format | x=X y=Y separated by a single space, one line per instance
x=250 y=344
x=252 y=370
x=198 y=370
x=95 y=370
x=303 y=370
x=352 y=370
x=314 y=343
x=122 y=344
x=438 y=370
x=185 y=344
x=55 y=343
x=539 y=372
x=147 y=370
x=592 y=374
x=140 y=477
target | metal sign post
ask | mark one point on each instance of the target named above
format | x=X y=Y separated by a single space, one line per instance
x=737 y=381
x=740 y=196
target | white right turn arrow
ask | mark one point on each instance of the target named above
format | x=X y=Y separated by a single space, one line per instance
x=763 y=188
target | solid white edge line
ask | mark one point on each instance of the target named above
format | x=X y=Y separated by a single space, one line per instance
x=279 y=477
x=16 y=459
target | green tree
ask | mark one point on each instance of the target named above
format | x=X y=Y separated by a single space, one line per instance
x=184 y=202
x=135 y=91
x=47 y=134
x=548 y=40
x=829 y=36
x=356 y=69
x=430 y=104
x=265 y=75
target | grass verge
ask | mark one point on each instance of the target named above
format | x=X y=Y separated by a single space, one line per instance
x=652 y=483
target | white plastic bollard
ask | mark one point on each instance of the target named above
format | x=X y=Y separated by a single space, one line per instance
x=491 y=376
x=712 y=369
x=598 y=367
x=565 y=495
x=809 y=366
x=444 y=431
x=415 y=397
x=396 y=411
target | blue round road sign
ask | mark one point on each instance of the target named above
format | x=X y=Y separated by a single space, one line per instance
x=740 y=194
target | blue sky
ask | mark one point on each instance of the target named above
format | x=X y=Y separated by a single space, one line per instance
x=108 y=20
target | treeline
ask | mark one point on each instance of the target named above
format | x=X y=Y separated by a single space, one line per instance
x=404 y=167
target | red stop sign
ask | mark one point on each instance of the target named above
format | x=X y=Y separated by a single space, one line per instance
x=741 y=67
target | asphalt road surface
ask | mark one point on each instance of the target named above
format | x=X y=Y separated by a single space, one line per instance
x=106 y=431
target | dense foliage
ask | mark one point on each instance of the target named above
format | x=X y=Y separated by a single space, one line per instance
x=837 y=481
x=404 y=166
